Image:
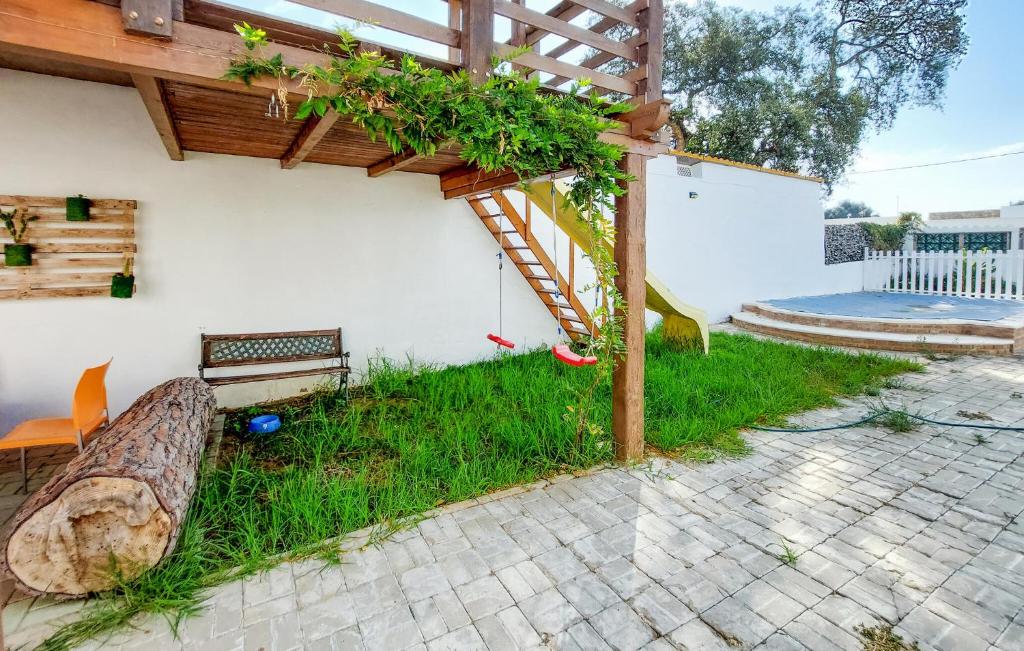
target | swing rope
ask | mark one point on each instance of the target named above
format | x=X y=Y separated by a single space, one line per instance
x=554 y=248
x=499 y=339
x=501 y=260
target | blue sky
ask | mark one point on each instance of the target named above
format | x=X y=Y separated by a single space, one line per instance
x=983 y=113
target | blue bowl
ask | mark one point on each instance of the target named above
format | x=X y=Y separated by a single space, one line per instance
x=264 y=424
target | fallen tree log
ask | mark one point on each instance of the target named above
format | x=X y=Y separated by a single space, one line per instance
x=119 y=505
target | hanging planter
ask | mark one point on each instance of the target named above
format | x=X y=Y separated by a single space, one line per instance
x=77 y=209
x=122 y=285
x=18 y=255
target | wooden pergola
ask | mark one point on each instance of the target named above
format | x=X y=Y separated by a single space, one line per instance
x=175 y=52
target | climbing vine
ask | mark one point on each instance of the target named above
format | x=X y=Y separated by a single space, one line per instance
x=504 y=123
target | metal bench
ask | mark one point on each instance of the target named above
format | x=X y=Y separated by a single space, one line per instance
x=231 y=351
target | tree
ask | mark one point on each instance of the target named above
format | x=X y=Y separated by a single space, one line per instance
x=891 y=237
x=849 y=210
x=798 y=88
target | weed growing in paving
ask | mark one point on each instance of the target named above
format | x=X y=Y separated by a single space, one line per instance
x=973 y=415
x=882 y=638
x=979 y=439
x=414 y=438
x=788 y=555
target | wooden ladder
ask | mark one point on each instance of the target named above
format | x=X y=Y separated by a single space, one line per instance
x=526 y=253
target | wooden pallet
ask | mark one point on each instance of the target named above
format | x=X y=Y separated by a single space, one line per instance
x=69 y=258
x=530 y=258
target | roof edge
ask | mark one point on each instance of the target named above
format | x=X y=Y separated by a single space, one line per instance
x=702 y=158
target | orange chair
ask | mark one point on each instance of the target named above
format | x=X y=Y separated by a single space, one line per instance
x=88 y=414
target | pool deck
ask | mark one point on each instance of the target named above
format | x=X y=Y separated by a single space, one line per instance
x=916 y=307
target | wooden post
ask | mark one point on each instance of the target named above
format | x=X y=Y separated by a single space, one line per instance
x=651 y=51
x=455 y=22
x=477 y=37
x=631 y=259
x=518 y=37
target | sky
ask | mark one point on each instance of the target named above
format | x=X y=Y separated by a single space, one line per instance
x=982 y=115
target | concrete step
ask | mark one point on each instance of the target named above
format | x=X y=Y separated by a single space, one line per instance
x=996 y=329
x=906 y=342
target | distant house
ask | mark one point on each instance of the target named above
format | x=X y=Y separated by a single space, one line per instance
x=973 y=230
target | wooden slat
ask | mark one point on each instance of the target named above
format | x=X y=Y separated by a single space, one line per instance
x=563 y=11
x=569 y=70
x=605 y=8
x=58 y=202
x=222 y=17
x=56 y=292
x=313 y=131
x=36 y=231
x=455 y=22
x=8 y=276
x=594 y=61
x=567 y=30
x=388 y=18
x=393 y=163
x=83 y=247
x=51 y=261
x=151 y=90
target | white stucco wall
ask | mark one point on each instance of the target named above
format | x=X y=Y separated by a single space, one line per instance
x=747 y=236
x=233 y=244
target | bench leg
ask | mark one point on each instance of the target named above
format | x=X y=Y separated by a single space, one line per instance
x=24 y=472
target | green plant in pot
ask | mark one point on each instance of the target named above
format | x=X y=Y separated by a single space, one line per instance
x=77 y=208
x=18 y=253
x=122 y=285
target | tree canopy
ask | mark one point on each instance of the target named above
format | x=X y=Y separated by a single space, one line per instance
x=849 y=210
x=797 y=89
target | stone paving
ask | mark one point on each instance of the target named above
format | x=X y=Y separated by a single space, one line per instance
x=920 y=530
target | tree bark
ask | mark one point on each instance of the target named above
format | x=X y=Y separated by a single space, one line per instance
x=118 y=505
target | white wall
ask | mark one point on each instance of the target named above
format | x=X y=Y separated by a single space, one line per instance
x=747 y=236
x=233 y=244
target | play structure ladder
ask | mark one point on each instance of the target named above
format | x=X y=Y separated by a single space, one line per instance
x=523 y=250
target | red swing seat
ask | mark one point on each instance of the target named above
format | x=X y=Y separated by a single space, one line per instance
x=563 y=353
x=505 y=343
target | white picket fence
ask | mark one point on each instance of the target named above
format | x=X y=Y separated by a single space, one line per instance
x=977 y=274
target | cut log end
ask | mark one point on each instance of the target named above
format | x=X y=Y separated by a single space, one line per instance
x=98 y=529
x=117 y=509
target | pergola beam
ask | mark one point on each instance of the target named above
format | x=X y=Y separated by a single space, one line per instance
x=154 y=97
x=312 y=132
x=394 y=163
x=91 y=33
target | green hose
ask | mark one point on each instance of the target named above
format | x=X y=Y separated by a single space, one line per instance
x=886 y=412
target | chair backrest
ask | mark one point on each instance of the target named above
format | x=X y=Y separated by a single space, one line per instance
x=89 y=406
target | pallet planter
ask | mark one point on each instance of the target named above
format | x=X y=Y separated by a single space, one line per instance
x=18 y=255
x=77 y=209
x=69 y=258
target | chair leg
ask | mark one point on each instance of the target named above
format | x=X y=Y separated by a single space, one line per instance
x=81 y=443
x=24 y=472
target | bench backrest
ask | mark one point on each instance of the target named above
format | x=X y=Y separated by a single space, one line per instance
x=232 y=350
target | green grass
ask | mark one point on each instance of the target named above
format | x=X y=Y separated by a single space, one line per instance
x=412 y=439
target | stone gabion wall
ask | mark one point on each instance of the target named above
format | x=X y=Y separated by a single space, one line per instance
x=844 y=243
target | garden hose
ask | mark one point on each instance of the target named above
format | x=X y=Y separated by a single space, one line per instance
x=886 y=412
